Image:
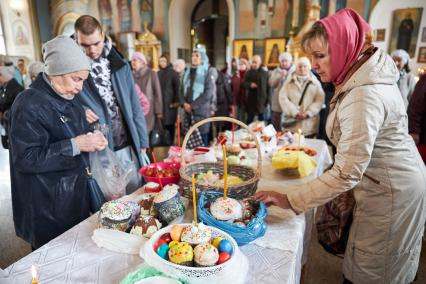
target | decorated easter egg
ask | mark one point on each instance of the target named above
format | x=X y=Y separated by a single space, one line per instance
x=173 y=243
x=216 y=242
x=158 y=243
x=163 y=251
x=223 y=257
x=225 y=246
x=176 y=232
x=166 y=237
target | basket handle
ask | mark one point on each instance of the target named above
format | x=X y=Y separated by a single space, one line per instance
x=217 y=119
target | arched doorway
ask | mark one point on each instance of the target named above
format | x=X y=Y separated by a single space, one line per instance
x=180 y=13
x=209 y=27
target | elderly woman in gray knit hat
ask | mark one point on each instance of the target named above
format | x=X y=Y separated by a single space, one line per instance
x=49 y=144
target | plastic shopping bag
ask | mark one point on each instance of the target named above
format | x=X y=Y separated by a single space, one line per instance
x=110 y=173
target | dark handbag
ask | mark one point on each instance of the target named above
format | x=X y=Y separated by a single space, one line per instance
x=290 y=121
x=333 y=221
x=96 y=197
x=159 y=136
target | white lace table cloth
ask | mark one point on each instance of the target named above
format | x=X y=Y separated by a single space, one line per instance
x=275 y=258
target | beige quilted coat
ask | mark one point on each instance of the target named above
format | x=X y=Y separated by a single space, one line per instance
x=378 y=159
x=289 y=97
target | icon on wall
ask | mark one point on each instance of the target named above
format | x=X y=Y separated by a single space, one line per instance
x=379 y=35
x=405 y=29
x=423 y=35
x=422 y=55
x=20 y=33
x=273 y=48
x=243 y=48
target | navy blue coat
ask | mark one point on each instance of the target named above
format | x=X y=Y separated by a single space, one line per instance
x=49 y=185
x=128 y=101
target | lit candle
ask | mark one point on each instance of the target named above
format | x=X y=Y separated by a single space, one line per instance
x=194 y=199
x=299 y=132
x=34 y=275
x=233 y=124
x=156 y=170
x=178 y=129
x=225 y=172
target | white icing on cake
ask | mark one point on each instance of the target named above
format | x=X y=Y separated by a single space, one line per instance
x=228 y=209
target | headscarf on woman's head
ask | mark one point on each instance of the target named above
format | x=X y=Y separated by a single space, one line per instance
x=200 y=75
x=140 y=56
x=405 y=57
x=286 y=56
x=303 y=61
x=346 y=32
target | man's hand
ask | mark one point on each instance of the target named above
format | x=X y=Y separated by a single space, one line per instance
x=159 y=116
x=143 y=150
x=91 y=117
x=253 y=85
x=273 y=198
x=187 y=107
x=91 y=142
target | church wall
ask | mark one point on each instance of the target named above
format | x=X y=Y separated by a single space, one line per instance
x=18 y=30
x=382 y=17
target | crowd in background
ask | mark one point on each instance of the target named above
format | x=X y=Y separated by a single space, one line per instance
x=86 y=91
x=290 y=96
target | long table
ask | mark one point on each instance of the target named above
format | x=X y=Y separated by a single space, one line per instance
x=275 y=258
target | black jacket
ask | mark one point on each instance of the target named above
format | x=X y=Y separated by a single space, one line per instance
x=8 y=94
x=257 y=98
x=170 y=85
x=49 y=185
x=127 y=99
x=223 y=94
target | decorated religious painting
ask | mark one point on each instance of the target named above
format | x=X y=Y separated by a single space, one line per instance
x=243 y=48
x=405 y=29
x=422 y=55
x=20 y=33
x=273 y=48
x=379 y=35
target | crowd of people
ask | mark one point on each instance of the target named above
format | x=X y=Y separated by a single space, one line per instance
x=290 y=96
x=84 y=82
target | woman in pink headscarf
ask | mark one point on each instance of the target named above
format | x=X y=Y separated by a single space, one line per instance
x=375 y=155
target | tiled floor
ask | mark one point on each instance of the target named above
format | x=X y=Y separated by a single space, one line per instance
x=321 y=267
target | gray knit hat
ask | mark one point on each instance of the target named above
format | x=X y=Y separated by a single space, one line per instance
x=62 y=55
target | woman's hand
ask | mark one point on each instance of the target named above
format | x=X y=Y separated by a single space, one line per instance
x=301 y=115
x=273 y=198
x=91 y=142
x=91 y=117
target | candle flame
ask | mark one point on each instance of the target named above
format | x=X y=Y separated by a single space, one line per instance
x=33 y=271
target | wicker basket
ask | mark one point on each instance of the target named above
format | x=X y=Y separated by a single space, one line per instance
x=249 y=175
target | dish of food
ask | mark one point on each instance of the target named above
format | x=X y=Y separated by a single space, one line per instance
x=309 y=151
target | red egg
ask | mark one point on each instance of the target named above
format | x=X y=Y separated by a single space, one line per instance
x=223 y=257
x=159 y=243
x=166 y=237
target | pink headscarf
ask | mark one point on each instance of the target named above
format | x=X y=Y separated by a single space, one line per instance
x=346 y=35
x=139 y=56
